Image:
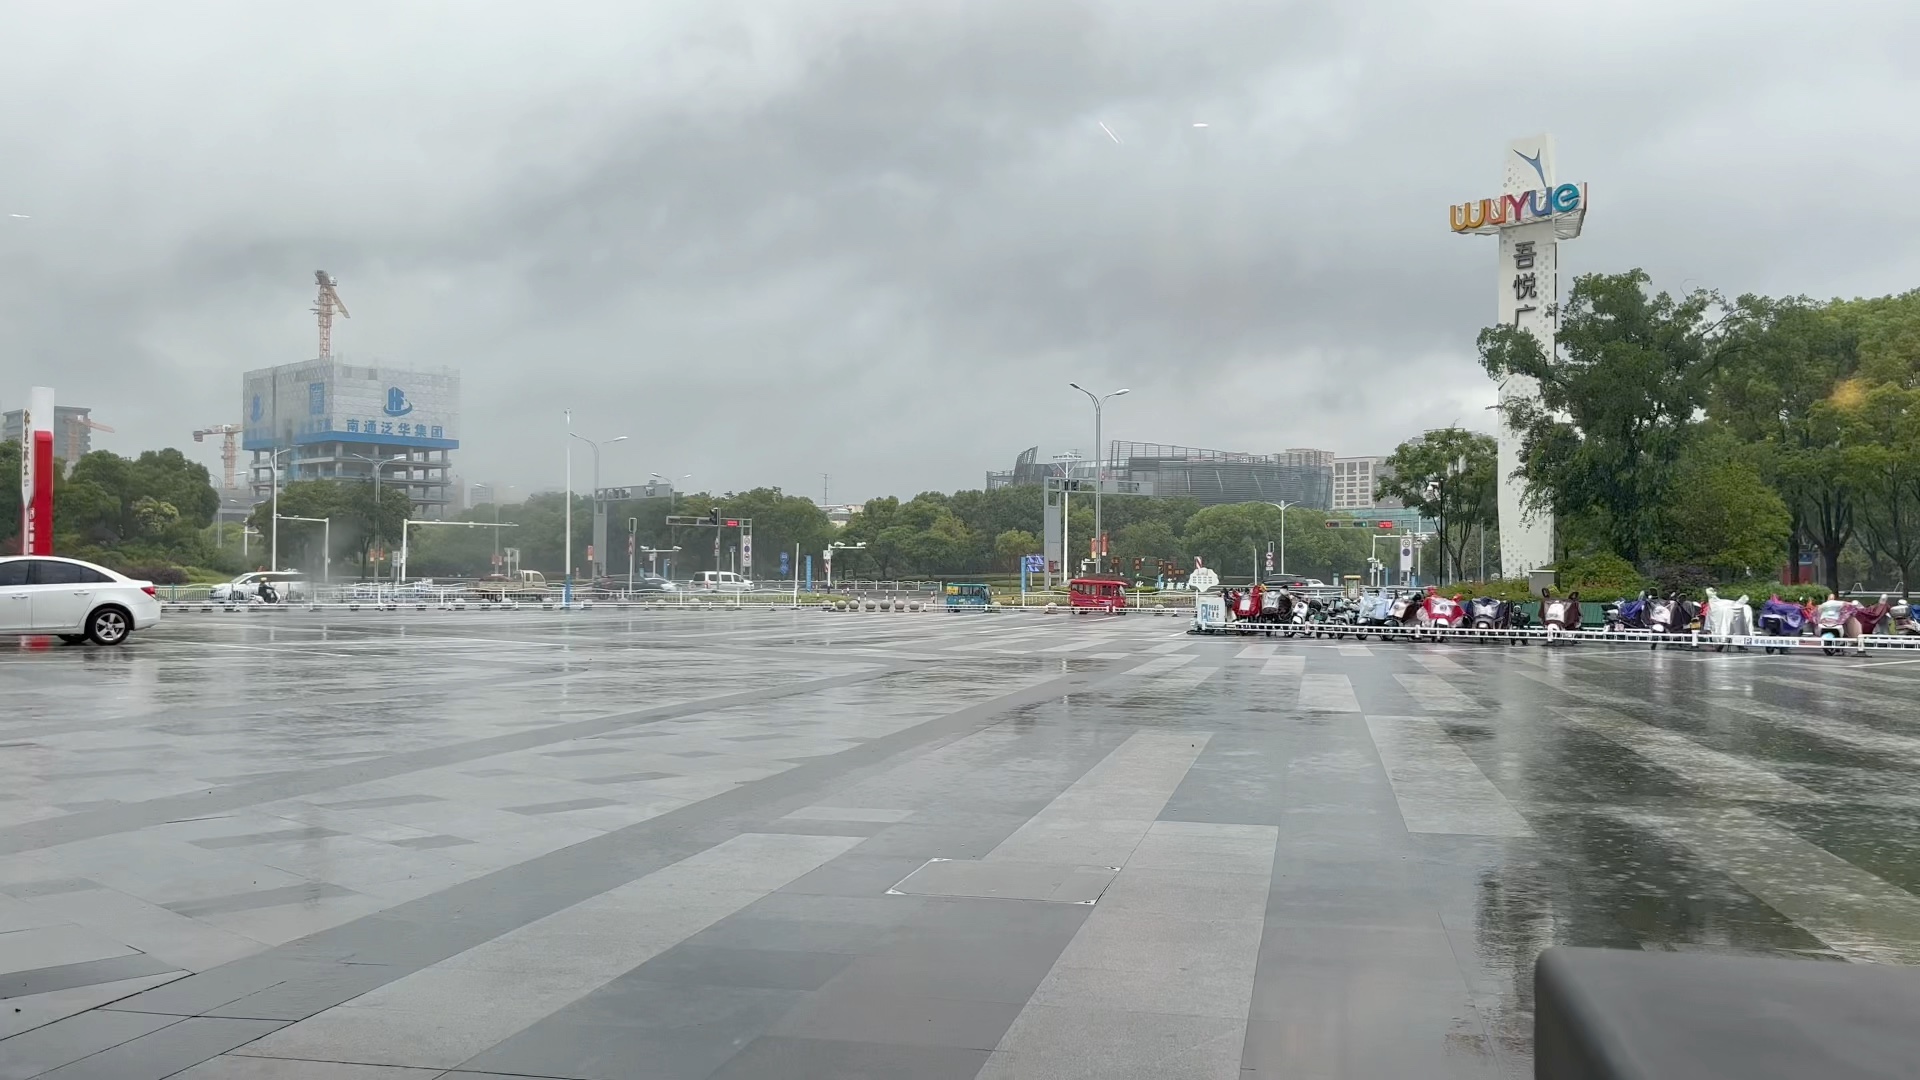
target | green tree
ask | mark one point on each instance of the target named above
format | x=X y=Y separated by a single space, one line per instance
x=1722 y=514
x=780 y=522
x=1011 y=545
x=1232 y=539
x=1784 y=360
x=9 y=497
x=1150 y=540
x=1617 y=402
x=1881 y=436
x=1448 y=474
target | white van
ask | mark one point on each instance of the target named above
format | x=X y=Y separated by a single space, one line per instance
x=720 y=581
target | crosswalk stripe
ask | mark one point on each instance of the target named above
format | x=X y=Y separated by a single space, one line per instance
x=1721 y=776
x=1327 y=693
x=1857 y=914
x=1439 y=788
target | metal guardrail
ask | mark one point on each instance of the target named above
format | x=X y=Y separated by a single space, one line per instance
x=1542 y=635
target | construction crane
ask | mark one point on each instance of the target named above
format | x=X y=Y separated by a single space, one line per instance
x=229 y=447
x=329 y=300
x=77 y=426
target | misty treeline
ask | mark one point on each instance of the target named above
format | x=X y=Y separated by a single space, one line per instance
x=149 y=515
x=933 y=534
x=1696 y=437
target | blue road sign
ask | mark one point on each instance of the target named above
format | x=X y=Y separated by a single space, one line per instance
x=1034 y=564
x=783 y=564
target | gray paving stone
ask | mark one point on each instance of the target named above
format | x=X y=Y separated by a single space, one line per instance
x=62 y=1042
x=773 y=969
x=166 y=1051
x=560 y=807
x=381 y=802
x=825 y=1059
x=86 y=973
x=626 y=778
x=29 y=890
x=254 y=901
x=428 y=843
x=278 y=836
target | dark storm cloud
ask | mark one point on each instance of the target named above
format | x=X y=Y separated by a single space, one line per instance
x=876 y=239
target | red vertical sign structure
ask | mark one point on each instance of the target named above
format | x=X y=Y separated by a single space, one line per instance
x=37 y=535
x=36 y=473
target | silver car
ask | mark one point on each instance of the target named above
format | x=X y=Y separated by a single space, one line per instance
x=288 y=586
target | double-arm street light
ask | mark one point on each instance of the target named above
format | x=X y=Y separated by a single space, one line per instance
x=326 y=543
x=1099 y=475
x=1283 y=504
x=378 y=463
x=274 y=554
x=566 y=589
x=673 y=489
x=596 y=565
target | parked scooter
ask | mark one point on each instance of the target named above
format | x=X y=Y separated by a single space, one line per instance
x=1844 y=619
x=1488 y=614
x=1342 y=615
x=1726 y=622
x=1668 y=616
x=1781 y=619
x=1559 y=614
x=1374 y=611
x=1307 y=615
x=1437 y=615
x=1904 y=619
x=1629 y=614
x=1400 y=612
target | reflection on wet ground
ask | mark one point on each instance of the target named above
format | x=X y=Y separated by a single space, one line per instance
x=555 y=845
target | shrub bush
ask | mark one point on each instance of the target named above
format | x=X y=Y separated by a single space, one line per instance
x=161 y=574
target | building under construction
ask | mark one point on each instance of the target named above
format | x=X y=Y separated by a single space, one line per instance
x=1210 y=477
x=326 y=419
x=331 y=420
x=73 y=429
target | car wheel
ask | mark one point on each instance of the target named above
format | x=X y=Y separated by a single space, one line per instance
x=109 y=626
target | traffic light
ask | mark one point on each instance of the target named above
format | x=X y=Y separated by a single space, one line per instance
x=1138 y=562
x=713 y=516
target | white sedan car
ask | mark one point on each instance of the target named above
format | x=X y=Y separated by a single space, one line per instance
x=288 y=586
x=73 y=600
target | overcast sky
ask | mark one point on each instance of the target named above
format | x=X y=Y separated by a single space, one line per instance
x=876 y=238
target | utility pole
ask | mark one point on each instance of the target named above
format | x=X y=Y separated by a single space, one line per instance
x=824 y=478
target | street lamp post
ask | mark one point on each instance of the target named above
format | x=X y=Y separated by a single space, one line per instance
x=378 y=463
x=326 y=543
x=1099 y=475
x=597 y=565
x=274 y=555
x=673 y=489
x=1283 y=504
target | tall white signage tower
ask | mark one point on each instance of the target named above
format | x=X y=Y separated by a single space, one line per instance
x=1531 y=215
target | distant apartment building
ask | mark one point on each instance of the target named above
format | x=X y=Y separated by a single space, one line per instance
x=72 y=432
x=1354 y=481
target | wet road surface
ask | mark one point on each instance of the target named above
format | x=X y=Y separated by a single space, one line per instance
x=407 y=845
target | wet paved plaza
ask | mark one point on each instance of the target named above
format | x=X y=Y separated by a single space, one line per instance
x=602 y=846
